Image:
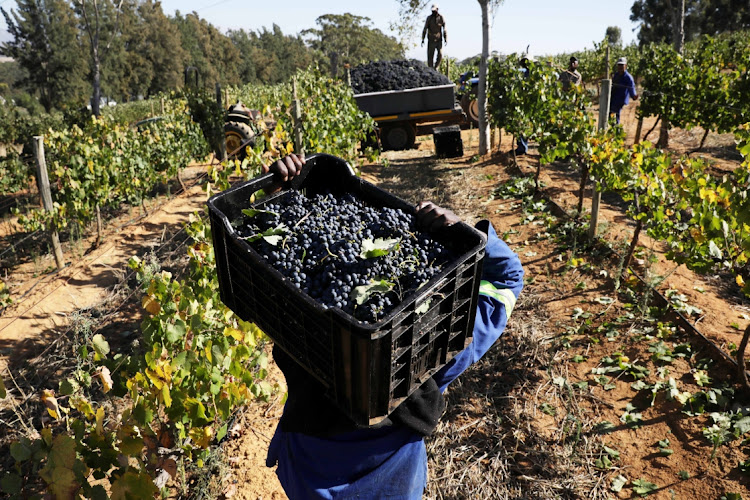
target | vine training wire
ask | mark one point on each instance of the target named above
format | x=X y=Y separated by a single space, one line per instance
x=198 y=179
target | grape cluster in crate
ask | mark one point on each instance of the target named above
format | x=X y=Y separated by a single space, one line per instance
x=344 y=253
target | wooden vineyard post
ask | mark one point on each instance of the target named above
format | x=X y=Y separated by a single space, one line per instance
x=603 y=120
x=152 y=109
x=43 y=177
x=162 y=106
x=222 y=142
x=297 y=114
x=606 y=65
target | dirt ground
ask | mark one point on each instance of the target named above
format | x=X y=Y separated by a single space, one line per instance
x=43 y=302
x=530 y=433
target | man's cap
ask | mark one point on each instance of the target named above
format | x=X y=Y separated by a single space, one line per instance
x=573 y=59
x=434 y=7
x=622 y=60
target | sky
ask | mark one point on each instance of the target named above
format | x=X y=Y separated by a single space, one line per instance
x=546 y=26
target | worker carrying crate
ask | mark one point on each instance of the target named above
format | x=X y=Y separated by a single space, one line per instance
x=346 y=431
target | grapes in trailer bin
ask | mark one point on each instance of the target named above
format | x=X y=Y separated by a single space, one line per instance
x=344 y=253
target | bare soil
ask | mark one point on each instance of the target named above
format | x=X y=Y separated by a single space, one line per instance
x=519 y=424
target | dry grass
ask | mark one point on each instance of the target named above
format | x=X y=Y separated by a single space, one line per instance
x=494 y=442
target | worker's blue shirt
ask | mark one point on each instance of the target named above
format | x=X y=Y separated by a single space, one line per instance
x=623 y=88
x=391 y=462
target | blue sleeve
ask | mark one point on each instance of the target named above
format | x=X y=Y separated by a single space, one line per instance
x=502 y=281
x=631 y=85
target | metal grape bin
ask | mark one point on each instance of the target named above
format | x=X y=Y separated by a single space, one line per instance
x=368 y=369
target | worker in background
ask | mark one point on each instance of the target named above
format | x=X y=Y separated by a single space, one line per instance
x=623 y=87
x=571 y=76
x=434 y=29
x=321 y=454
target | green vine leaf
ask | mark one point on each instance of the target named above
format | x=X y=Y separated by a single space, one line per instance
x=272 y=236
x=643 y=488
x=363 y=292
x=133 y=485
x=101 y=346
x=252 y=212
x=378 y=248
x=11 y=483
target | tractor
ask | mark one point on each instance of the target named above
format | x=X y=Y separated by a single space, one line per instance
x=468 y=85
x=241 y=127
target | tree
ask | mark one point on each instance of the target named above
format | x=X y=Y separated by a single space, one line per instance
x=484 y=129
x=100 y=21
x=269 y=56
x=710 y=17
x=348 y=39
x=614 y=36
x=721 y=16
x=214 y=55
x=45 y=44
x=153 y=52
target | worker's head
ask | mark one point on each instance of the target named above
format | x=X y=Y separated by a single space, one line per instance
x=573 y=62
x=622 y=64
x=434 y=8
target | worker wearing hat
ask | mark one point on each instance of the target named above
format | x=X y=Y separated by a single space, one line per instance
x=434 y=29
x=571 y=76
x=623 y=88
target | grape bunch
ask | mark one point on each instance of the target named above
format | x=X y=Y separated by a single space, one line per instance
x=400 y=74
x=343 y=252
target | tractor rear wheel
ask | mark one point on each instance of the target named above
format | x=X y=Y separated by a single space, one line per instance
x=237 y=137
x=470 y=105
x=398 y=137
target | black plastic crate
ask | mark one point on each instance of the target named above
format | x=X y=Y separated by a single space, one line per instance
x=367 y=369
x=448 y=143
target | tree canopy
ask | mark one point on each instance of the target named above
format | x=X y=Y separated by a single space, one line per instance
x=702 y=17
x=45 y=44
x=269 y=56
x=614 y=35
x=348 y=39
x=70 y=52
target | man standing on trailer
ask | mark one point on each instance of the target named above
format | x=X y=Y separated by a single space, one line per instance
x=434 y=29
x=623 y=86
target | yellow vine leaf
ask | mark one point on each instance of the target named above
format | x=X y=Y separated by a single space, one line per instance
x=740 y=281
x=234 y=333
x=154 y=378
x=100 y=421
x=201 y=436
x=105 y=377
x=151 y=305
x=166 y=396
x=82 y=405
x=50 y=402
